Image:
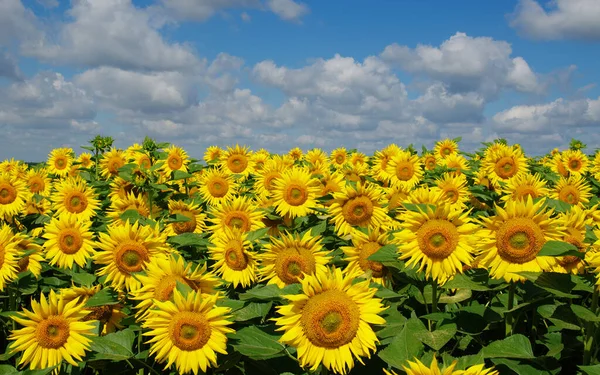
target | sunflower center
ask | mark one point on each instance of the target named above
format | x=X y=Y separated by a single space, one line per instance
x=366 y=250
x=569 y=194
x=114 y=163
x=268 y=180
x=218 y=187
x=189 y=330
x=525 y=191
x=235 y=256
x=164 y=289
x=144 y=162
x=131 y=256
x=339 y=159
x=430 y=163
x=446 y=151
x=76 y=202
x=358 y=210
x=185 y=226
x=102 y=313
x=175 y=162
x=238 y=220
x=506 y=167
x=237 y=163
x=52 y=332
x=437 y=239
x=405 y=170
x=36 y=184
x=8 y=193
x=292 y=263
x=330 y=319
x=451 y=194
x=575 y=165
x=295 y=195
x=519 y=240
x=60 y=162
x=70 y=241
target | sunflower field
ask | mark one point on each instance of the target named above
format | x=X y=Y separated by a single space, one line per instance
x=419 y=262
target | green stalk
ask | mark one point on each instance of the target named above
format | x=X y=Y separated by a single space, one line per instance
x=509 y=316
x=97 y=163
x=150 y=203
x=12 y=302
x=590 y=332
x=434 y=301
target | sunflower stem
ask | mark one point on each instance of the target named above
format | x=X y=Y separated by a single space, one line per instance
x=509 y=316
x=434 y=300
x=150 y=203
x=12 y=302
x=590 y=332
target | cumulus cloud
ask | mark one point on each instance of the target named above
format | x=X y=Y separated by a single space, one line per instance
x=17 y=23
x=9 y=67
x=565 y=19
x=467 y=64
x=288 y=9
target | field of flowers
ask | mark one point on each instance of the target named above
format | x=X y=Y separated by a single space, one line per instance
x=146 y=261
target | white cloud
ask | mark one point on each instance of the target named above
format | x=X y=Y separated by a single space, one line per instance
x=466 y=64
x=438 y=105
x=9 y=67
x=17 y=23
x=566 y=19
x=288 y=9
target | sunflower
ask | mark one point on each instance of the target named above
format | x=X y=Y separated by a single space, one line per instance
x=429 y=161
x=141 y=159
x=34 y=206
x=354 y=172
x=13 y=167
x=259 y=158
x=357 y=255
x=557 y=165
x=574 y=222
x=357 y=206
x=13 y=195
x=118 y=206
x=438 y=240
x=595 y=169
x=405 y=169
x=523 y=186
x=217 y=186
x=504 y=163
x=417 y=367
x=512 y=239
x=289 y=258
x=37 y=181
x=53 y=331
x=9 y=256
x=574 y=190
x=74 y=197
x=379 y=169
x=176 y=160
x=575 y=161
x=126 y=249
x=237 y=160
x=456 y=162
x=483 y=179
x=109 y=316
x=188 y=331
x=330 y=322
x=296 y=153
x=212 y=154
x=331 y=183
x=234 y=259
x=295 y=192
x=358 y=158
x=192 y=211
x=316 y=156
x=161 y=280
x=111 y=162
x=445 y=148
x=68 y=241
x=395 y=195
x=455 y=189
x=338 y=157
x=240 y=212
x=32 y=255
x=85 y=160
x=60 y=161
x=263 y=181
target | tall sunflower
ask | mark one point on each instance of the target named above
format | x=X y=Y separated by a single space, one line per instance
x=60 y=161
x=68 y=241
x=575 y=161
x=111 y=162
x=574 y=190
x=574 y=222
x=13 y=195
x=454 y=189
x=287 y=259
x=127 y=249
x=357 y=255
x=53 y=331
x=511 y=240
x=405 y=169
x=316 y=156
x=31 y=257
x=131 y=201
x=195 y=224
x=176 y=160
x=379 y=168
x=74 y=197
x=338 y=157
x=329 y=322
x=263 y=181
x=212 y=154
x=237 y=160
x=188 y=331
x=523 y=186
x=429 y=161
x=504 y=163
x=109 y=316
x=457 y=162
x=357 y=206
x=416 y=367
x=9 y=256
x=295 y=192
x=438 y=240
x=234 y=259
x=445 y=148
x=85 y=160
x=240 y=212
x=217 y=186
x=37 y=181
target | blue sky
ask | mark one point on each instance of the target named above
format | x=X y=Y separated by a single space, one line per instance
x=284 y=73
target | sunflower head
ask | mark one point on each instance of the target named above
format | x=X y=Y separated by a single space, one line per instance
x=111 y=162
x=445 y=148
x=60 y=161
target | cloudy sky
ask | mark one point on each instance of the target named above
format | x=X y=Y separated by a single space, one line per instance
x=285 y=73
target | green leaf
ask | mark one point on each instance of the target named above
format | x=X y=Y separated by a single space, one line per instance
x=560 y=315
x=394 y=322
x=257 y=234
x=590 y=370
x=404 y=347
x=438 y=338
x=83 y=278
x=251 y=311
x=177 y=218
x=131 y=215
x=386 y=253
x=183 y=288
x=106 y=296
x=560 y=248
x=515 y=346
x=585 y=314
x=189 y=239
x=257 y=344
x=8 y=370
x=269 y=292
x=559 y=284
x=114 y=346
x=319 y=228
x=45 y=371
x=180 y=175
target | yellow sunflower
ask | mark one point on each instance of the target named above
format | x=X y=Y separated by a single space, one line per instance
x=161 y=279
x=37 y=182
x=176 y=160
x=338 y=157
x=354 y=172
x=259 y=158
x=235 y=262
x=574 y=222
x=504 y=163
x=329 y=322
x=405 y=169
x=295 y=192
x=379 y=169
x=316 y=156
x=438 y=240
x=429 y=161
x=512 y=239
x=523 y=186
x=212 y=154
x=195 y=224
x=31 y=262
x=358 y=158
x=454 y=189
x=127 y=249
x=9 y=256
x=445 y=148
x=85 y=160
x=263 y=181
x=357 y=256
x=417 y=367
x=557 y=165
x=289 y=258
x=13 y=195
x=240 y=213
x=74 y=197
x=217 y=186
x=357 y=206
x=456 y=162
x=331 y=183
x=52 y=331
x=395 y=195
x=595 y=169
x=574 y=190
x=111 y=162
x=188 y=332
x=60 y=161
x=109 y=316
x=68 y=241
x=237 y=160
x=118 y=206
x=576 y=162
